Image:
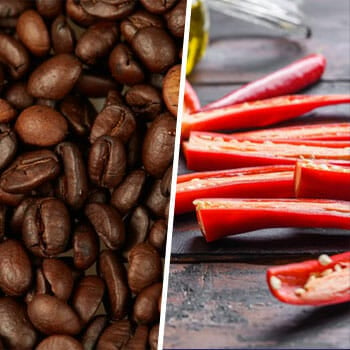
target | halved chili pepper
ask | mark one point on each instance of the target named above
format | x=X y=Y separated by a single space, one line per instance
x=208 y=152
x=191 y=100
x=313 y=282
x=220 y=217
x=275 y=181
x=320 y=131
x=322 y=180
x=258 y=113
x=287 y=80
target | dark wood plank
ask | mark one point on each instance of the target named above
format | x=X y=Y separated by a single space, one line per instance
x=241 y=52
x=229 y=306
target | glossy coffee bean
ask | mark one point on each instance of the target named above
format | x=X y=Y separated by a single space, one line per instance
x=155 y=201
x=113 y=272
x=145 y=267
x=32 y=32
x=108 y=224
x=17 y=95
x=16 y=331
x=176 y=19
x=46 y=227
x=8 y=145
x=7 y=112
x=41 y=126
x=59 y=342
x=15 y=268
x=157 y=234
x=10 y=199
x=49 y=8
x=171 y=85
x=55 y=78
x=153 y=337
x=62 y=36
x=30 y=170
x=158 y=6
x=139 y=340
x=165 y=185
x=51 y=315
x=115 y=336
x=76 y=12
x=107 y=162
x=18 y=215
x=107 y=9
x=93 y=332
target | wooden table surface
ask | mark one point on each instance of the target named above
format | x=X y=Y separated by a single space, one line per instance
x=217 y=296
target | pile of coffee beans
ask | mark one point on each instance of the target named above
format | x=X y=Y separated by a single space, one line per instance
x=88 y=104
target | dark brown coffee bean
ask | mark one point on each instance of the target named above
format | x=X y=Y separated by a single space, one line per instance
x=165 y=185
x=107 y=161
x=157 y=234
x=3 y=211
x=115 y=336
x=18 y=96
x=59 y=342
x=134 y=147
x=59 y=277
x=10 y=199
x=155 y=48
x=144 y=100
x=112 y=270
x=14 y=55
x=15 y=268
x=74 y=183
x=155 y=201
x=85 y=247
x=8 y=145
x=51 y=315
x=32 y=31
x=123 y=66
x=108 y=224
x=109 y=9
x=46 y=227
x=176 y=19
x=78 y=14
x=30 y=170
x=153 y=337
x=9 y=8
x=98 y=195
x=41 y=126
x=87 y=297
x=127 y=194
x=158 y=6
x=55 y=78
x=171 y=85
x=97 y=41
x=145 y=267
x=114 y=120
x=62 y=36
x=93 y=332
x=18 y=214
x=7 y=112
x=146 y=304
x=158 y=145
x=49 y=8
x=16 y=331
x=139 y=340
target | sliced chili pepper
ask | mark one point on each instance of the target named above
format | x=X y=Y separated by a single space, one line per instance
x=258 y=113
x=219 y=217
x=324 y=131
x=287 y=80
x=191 y=100
x=217 y=151
x=322 y=180
x=313 y=282
x=275 y=181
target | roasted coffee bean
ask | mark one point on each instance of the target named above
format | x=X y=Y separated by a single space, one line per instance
x=14 y=55
x=134 y=147
x=9 y=8
x=46 y=227
x=10 y=199
x=165 y=185
x=108 y=224
x=123 y=66
x=139 y=340
x=16 y=331
x=78 y=14
x=62 y=36
x=3 y=211
x=112 y=270
x=15 y=268
x=30 y=170
x=115 y=336
x=49 y=8
x=7 y=112
x=98 y=195
x=171 y=84
x=73 y=185
x=107 y=161
x=41 y=126
x=51 y=315
x=157 y=151
x=155 y=201
x=87 y=297
x=109 y=9
x=59 y=342
x=145 y=267
x=157 y=234
x=18 y=215
x=144 y=100
x=97 y=41
x=8 y=145
x=153 y=337
x=176 y=19
x=158 y=6
x=85 y=247
x=93 y=332
x=32 y=32
x=54 y=78
x=18 y=96
x=155 y=48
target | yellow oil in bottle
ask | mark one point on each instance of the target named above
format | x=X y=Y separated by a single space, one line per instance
x=199 y=34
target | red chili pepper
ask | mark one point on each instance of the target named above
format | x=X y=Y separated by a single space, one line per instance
x=313 y=282
x=191 y=100
x=324 y=131
x=219 y=151
x=219 y=217
x=258 y=113
x=274 y=181
x=322 y=180
x=285 y=81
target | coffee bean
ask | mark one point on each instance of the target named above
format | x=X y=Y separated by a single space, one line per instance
x=139 y=340
x=134 y=147
x=10 y=8
x=76 y=12
x=18 y=215
x=171 y=84
x=17 y=95
x=10 y=199
x=153 y=337
x=115 y=336
x=176 y=19
x=158 y=6
x=108 y=9
x=157 y=234
x=98 y=195
x=8 y=145
x=7 y=112
x=62 y=36
x=155 y=201
x=165 y=185
x=49 y=8
x=93 y=332
x=59 y=342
